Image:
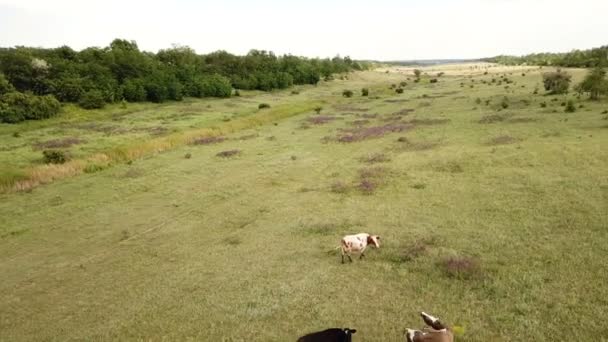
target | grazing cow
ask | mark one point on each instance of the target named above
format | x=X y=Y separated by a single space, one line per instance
x=329 y=335
x=357 y=244
x=438 y=332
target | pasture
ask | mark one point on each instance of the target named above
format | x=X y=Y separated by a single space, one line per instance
x=492 y=216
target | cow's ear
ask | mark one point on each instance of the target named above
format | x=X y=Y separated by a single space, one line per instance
x=352 y=331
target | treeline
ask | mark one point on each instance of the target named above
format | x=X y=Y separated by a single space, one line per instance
x=122 y=72
x=575 y=59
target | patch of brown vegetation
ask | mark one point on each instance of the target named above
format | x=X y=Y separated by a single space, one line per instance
x=320 y=119
x=208 y=140
x=247 y=137
x=523 y=120
x=396 y=100
x=416 y=146
x=461 y=267
x=368 y=116
x=414 y=250
x=404 y=112
x=429 y=121
x=229 y=153
x=59 y=143
x=339 y=187
x=360 y=122
x=503 y=140
x=375 y=158
x=493 y=118
x=363 y=133
x=350 y=108
x=370 y=179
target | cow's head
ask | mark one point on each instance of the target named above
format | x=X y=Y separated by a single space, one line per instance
x=373 y=240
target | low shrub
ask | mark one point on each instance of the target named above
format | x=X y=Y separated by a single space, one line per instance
x=229 y=153
x=54 y=156
x=364 y=92
x=433 y=80
x=347 y=93
x=570 y=107
x=263 y=106
x=318 y=109
x=92 y=99
x=399 y=90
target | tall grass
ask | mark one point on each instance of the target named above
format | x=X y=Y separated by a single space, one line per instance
x=44 y=174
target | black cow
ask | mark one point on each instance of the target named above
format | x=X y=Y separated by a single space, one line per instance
x=329 y=335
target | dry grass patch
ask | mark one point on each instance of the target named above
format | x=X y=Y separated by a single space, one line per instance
x=503 y=140
x=59 y=143
x=320 y=119
x=408 y=145
x=208 y=140
x=377 y=157
x=413 y=250
x=429 y=121
x=363 y=133
x=494 y=118
x=228 y=154
x=461 y=267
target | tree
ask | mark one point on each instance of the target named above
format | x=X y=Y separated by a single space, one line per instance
x=5 y=85
x=417 y=73
x=92 y=99
x=557 y=82
x=595 y=83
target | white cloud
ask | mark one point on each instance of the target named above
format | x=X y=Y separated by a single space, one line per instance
x=382 y=29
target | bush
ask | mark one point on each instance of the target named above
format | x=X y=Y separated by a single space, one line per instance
x=417 y=73
x=263 y=106
x=134 y=90
x=318 y=109
x=16 y=107
x=504 y=103
x=5 y=86
x=54 y=156
x=433 y=80
x=595 y=84
x=403 y=84
x=570 y=107
x=237 y=92
x=92 y=99
x=557 y=82
x=364 y=92
x=399 y=90
x=213 y=86
x=543 y=104
x=347 y=93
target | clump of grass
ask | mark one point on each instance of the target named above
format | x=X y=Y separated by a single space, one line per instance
x=339 y=187
x=318 y=109
x=493 y=118
x=133 y=173
x=605 y=111
x=502 y=140
x=375 y=158
x=247 y=137
x=16 y=135
x=370 y=179
x=419 y=186
x=347 y=93
x=409 y=145
x=399 y=90
x=570 y=107
x=429 y=121
x=54 y=156
x=461 y=267
x=208 y=140
x=414 y=250
x=188 y=155
x=59 y=143
x=320 y=119
x=232 y=241
x=295 y=92
x=404 y=112
x=263 y=106
x=360 y=122
x=448 y=166
x=228 y=153
x=363 y=133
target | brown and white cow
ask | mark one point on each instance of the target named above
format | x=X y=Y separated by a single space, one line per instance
x=438 y=332
x=357 y=243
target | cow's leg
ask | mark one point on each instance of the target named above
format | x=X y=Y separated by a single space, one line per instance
x=349 y=258
x=362 y=255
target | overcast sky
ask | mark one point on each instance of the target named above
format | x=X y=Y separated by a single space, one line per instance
x=371 y=29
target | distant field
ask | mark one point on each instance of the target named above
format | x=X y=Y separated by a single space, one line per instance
x=493 y=217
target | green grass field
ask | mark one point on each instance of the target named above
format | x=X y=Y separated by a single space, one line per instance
x=494 y=219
